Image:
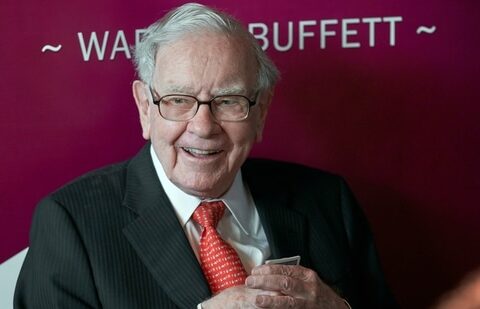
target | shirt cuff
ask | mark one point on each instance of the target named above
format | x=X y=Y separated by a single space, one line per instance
x=199 y=306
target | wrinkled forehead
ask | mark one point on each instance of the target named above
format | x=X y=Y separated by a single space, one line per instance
x=203 y=54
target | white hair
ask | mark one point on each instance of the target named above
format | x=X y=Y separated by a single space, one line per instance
x=192 y=18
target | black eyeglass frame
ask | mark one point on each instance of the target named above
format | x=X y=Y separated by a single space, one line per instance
x=209 y=103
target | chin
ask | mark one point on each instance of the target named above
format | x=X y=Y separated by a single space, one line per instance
x=202 y=193
x=205 y=190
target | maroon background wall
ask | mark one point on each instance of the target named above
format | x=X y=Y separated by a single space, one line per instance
x=394 y=111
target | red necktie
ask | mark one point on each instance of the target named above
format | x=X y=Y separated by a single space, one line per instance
x=220 y=263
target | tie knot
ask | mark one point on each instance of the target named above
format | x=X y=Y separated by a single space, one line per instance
x=208 y=214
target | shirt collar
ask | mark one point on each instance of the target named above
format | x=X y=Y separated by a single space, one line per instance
x=237 y=199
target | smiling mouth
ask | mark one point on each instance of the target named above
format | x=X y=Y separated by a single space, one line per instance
x=201 y=152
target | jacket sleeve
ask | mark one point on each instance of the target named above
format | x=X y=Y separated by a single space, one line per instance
x=372 y=289
x=56 y=271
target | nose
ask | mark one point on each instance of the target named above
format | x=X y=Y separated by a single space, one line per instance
x=203 y=124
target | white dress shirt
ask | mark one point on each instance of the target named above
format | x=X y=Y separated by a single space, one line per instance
x=240 y=226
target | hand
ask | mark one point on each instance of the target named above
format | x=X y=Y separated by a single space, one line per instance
x=299 y=287
x=235 y=297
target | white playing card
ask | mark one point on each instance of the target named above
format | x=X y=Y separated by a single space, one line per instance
x=294 y=260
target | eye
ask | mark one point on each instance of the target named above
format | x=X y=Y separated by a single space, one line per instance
x=227 y=101
x=178 y=100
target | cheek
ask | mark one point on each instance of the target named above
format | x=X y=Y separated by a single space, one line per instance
x=242 y=139
x=165 y=133
x=254 y=127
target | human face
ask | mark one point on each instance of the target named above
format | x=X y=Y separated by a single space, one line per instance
x=202 y=156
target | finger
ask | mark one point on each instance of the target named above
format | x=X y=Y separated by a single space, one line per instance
x=265 y=301
x=295 y=271
x=236 y=297
x=268 y=293
x=284 y=284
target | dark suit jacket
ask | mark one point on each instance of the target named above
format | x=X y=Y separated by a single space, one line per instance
x=111 y=239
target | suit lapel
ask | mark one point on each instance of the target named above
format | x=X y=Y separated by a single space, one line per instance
x=284 y=227
x=158 y=238
x=293 y=220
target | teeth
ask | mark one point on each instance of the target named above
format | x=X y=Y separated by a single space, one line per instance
x=200 y=151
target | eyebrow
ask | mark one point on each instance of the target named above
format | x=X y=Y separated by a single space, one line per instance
x=231 y=90
x=216 y=92
x=178 y=89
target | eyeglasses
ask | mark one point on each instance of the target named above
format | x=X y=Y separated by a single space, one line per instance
x=181 y=107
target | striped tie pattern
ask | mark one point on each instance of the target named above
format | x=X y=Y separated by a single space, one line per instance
x=219 y=261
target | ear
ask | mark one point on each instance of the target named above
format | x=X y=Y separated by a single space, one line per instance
x=139 y=90
x=264 y=101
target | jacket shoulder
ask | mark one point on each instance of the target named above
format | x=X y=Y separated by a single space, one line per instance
x=101 y=185
x=286 y=172
x=309 y=189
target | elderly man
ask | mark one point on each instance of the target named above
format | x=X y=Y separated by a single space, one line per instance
x=189 y=221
